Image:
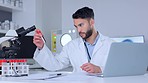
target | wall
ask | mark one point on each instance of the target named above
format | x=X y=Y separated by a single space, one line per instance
x=39 y=14
x=43 y=13
x=113 y=17
x=30 y=15
x=26 y=17
x=52 y=18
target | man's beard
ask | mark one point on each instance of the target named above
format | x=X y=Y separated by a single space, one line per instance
x=87 y=34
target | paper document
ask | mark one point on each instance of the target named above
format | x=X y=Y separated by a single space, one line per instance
x=76 y=76
x=42 y=76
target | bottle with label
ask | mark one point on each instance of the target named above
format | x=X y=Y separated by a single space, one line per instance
x=8 y=2
x=12 y=2
x=7 y=25
x=17 y=3
x=21 y=4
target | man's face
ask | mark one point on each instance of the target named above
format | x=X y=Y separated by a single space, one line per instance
x=84 y=27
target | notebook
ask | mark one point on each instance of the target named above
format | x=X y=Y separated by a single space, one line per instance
x=126 y=59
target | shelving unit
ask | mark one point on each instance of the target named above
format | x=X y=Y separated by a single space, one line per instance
x=9 y=8
x=3 y=31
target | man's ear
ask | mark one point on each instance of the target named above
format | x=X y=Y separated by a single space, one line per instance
x=92 y=22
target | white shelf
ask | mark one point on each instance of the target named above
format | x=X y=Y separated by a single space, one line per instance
x=9 y=8
x=3 y=31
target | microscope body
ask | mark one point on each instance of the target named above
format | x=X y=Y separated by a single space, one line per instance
x=9 y=46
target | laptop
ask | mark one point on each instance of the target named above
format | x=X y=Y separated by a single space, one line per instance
x=126 y=59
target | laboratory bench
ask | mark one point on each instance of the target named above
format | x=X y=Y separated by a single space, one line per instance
x=69 y=77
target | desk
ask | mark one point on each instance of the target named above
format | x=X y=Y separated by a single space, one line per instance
x=80 y=78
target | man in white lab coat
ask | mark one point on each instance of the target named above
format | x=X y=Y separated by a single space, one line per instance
x=87 y=53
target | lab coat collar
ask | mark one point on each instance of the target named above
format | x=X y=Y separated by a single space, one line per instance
x=99 y=44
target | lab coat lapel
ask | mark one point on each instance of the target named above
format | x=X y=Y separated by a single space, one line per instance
x=98 y=45
x=83 y=50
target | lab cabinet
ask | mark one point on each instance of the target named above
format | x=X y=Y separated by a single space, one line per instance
x=7 y=8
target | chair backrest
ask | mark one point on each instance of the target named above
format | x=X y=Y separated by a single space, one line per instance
x=132 y=39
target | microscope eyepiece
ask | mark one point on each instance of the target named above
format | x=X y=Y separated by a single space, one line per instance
x=22 y=32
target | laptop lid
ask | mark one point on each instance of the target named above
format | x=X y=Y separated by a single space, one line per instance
x=126 y=59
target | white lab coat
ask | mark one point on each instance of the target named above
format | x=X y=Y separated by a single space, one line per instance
x=74 y=53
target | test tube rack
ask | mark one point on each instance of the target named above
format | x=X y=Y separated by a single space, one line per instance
x=14 y=67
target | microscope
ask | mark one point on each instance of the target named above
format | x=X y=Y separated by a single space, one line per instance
x=9 y=46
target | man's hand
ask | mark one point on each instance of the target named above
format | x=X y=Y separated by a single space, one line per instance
x=90 y=68
x=37 y=40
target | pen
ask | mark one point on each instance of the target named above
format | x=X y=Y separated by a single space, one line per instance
x=43 y=39
x=52 y=76
x=59 y=74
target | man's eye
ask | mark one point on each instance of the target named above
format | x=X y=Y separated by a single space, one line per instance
x=80 y=25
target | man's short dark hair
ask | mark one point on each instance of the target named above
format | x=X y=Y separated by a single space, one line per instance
x=83 y=13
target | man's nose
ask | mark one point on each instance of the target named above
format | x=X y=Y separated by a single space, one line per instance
x=79 y=29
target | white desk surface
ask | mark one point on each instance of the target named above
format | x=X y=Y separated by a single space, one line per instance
x=79 y=78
